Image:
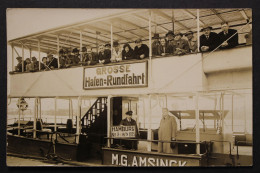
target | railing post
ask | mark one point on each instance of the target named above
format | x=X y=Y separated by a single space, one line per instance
x=19 y=123
x=55 y=117
x=149 y=132
x=109 y=120
x=197 y=122
x=34 y=118
x=78 y=120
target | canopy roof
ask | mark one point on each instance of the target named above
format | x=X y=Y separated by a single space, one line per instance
x=132 y=24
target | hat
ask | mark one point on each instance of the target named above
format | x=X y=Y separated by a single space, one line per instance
x=205 y=27
x=115 y=43
x=18 y=57
x=178 y=33
x=156 y=36
x=138 y=40
x=61 y=51
x=169 y=33
x=129 y=113
x=75 y=50
x=107 y=45
x=83 y=49
x=34 y=58
x=188 y=32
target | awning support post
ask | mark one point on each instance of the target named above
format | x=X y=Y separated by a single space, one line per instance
x=111 y=40
x=58 y=50
x=150 y=49
x=39 y=52
x=109 y=120
x=80 y=44
x=198 y=29
x=197 y=122
x=13 y=67
x=22 y=58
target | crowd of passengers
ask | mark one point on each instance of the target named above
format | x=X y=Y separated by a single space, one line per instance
x=172 y=44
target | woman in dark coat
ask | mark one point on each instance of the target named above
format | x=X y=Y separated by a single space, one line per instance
x=127 y=52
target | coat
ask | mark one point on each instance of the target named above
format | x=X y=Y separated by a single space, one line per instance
x=127 y=55
x=106 y=55
x=212 y=41
x=156 y=48
x=53 y=63
x=167 y=131
x=193 y=45
x=233 y=42
x=142 y=50
x=180 y=46
x=91 y=57
x=116 y=56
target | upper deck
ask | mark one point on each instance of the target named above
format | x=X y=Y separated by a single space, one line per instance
x=218 y=70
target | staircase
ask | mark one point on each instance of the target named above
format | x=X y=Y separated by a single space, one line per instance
x=95 y=116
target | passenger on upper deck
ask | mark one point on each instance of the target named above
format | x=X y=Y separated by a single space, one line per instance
x=28 y=67
x=192 y=41
x=169 y=39
x=44 y=64
x=141 y=51
x=163 y=47
x=180 y=46
x=53 y=62
x=62 y=58
x=225 y=34
x=18 y=67
x=156 y=45
x=34 y=64
x=127 y=52
x=209 y=40
x=116 y=53
x=76 y=56
x=90 y=58
x=107 y=46
x=104 y=55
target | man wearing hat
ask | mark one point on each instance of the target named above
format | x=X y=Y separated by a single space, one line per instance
x=167 y=132
x=180 y=46
x=76 y=56
x=225 y=34
x=141 y=51
x=18 y=67
x=209 y=40
x=156 y=45
x=192 y=41
x=53 y=62
x=169 y=40
x=116 y=52
x=128 y=121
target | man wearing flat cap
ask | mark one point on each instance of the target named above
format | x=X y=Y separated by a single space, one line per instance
x=209 y=40
x=141 y=51
x=180 y=46
x=53 y=62
x=192 y=41
x=18 y=67
x=128 y=121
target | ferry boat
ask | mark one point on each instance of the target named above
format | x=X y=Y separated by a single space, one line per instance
x=208 y=93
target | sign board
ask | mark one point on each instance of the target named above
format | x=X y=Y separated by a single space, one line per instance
x=123 y=131
x=137 y=158
x=116 y=76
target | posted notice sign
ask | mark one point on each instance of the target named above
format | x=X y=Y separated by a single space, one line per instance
x=123 y=131
x=116 y=76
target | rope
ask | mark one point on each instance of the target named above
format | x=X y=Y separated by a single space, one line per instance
x=202 y=59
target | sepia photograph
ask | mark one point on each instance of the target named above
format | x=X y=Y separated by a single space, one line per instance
x=129 y=87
